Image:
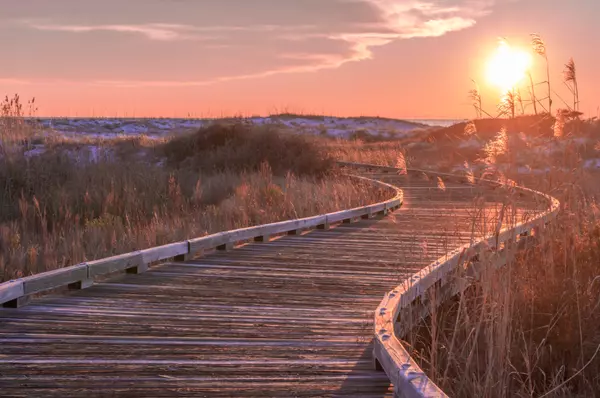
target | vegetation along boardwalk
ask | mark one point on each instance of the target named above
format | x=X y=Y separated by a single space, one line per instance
x=291 y=317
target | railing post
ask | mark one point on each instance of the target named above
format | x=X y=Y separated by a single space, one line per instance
x=18 y=302
x=187 y=256
x=383 y=213
x=138 y=269
x=376 y=364
x=83 y=284
x=325 y=226
x=262 y=238
x=226 y=246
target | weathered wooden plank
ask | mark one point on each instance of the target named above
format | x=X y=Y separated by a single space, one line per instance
x=358 y=212
x=221 y=240
x=54 y=279
x=245 y=234
x=133 y=261
x=290 y=318
x=10 y=291
x=138 y=262
x=164 y=252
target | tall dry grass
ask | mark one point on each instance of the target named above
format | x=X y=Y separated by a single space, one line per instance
x=539 y=47
x=531 y=328
x=78 y=200
x=16 y=133
x=379 y=153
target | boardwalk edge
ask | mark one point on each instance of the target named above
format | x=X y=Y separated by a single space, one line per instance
x=80 y=276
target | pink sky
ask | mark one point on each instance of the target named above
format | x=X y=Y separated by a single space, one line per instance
x=207 y=58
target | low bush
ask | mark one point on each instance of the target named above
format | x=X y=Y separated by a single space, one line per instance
x=242 y=147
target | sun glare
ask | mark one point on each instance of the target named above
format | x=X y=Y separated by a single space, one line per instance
x=508 y=66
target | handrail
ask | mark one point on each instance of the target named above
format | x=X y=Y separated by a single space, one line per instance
x=408 y=378
x=16 y=293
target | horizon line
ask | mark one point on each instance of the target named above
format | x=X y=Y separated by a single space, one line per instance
x=239 y=116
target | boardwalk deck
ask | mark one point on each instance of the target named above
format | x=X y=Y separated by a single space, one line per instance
x=292 y=317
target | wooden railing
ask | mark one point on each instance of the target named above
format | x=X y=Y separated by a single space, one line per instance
x=412 y=295
x=16 y=293
x=408 y=378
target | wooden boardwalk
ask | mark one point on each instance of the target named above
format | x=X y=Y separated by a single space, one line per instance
x=292 y=317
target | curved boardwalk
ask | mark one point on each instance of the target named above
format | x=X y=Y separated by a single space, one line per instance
x=293 y=317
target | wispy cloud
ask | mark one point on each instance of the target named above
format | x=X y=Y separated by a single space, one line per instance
x=438 y=27
x=406 y=19
x=403 y=19
x=154 y=31
x=162 y=31
x=350 y=42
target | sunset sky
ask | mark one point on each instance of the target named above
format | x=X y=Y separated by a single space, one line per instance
x=207 y=58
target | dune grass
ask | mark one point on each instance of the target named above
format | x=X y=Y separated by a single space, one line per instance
x=79 y=200
x=529 y=329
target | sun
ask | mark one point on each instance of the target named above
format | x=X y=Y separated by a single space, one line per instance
x=507 y=67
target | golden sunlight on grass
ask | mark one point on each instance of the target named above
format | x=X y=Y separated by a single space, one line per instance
x=508 y=66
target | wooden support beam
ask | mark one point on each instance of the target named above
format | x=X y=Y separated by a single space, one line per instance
x=187 y=256
x=10 y=291
x=382 y=213
x=226 y=246
x=18 y=302
x=83 y=284
x=137 y=269
x=324 y=226
x=56 y=278
x=376 y=364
